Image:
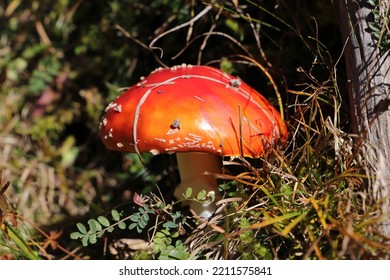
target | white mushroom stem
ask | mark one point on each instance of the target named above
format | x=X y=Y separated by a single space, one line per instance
x=197 y=172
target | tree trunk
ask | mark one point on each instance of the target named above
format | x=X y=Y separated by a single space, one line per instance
x=368 y=68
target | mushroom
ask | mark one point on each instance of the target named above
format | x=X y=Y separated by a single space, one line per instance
x=198 y=112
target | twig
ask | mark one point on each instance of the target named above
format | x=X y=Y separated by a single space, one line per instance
x=191 y=21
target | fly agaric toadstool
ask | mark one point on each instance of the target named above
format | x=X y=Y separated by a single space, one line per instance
x=198 y=112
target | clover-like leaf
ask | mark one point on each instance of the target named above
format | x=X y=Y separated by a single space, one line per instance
x=94 y=226
x=103 y=221
x=115 y=215
x=121 y=225
x=201 y=195
x=188 y=193
x=169 y=225
x=76 y=235
x=85 y=240
x=81 y=228
x=132 y=226
x=135 y=217
x=92 y=238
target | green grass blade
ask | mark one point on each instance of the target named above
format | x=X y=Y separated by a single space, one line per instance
x=21 y=244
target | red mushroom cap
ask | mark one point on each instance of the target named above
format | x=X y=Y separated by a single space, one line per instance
x=192 y=109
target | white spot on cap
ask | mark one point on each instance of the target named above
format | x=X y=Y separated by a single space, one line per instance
x=157 y=69
x=196 y=137
x=172 y=131
x=160 y=139
x=154 y=152
x=119 y=145
x=109 y=106
x=109 y=134
x=116 y=107
x=171 y=149
x=210 y=145
x=235 y=82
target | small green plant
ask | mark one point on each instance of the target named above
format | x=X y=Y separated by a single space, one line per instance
x=202 y=197
x=380 y=24
x=162 y=246
x=165 y=242
x=140 y=219
x=96 y=228
x=252 y=245
x=41 y=77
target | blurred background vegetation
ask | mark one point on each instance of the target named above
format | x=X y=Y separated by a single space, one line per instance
x=62 y=62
